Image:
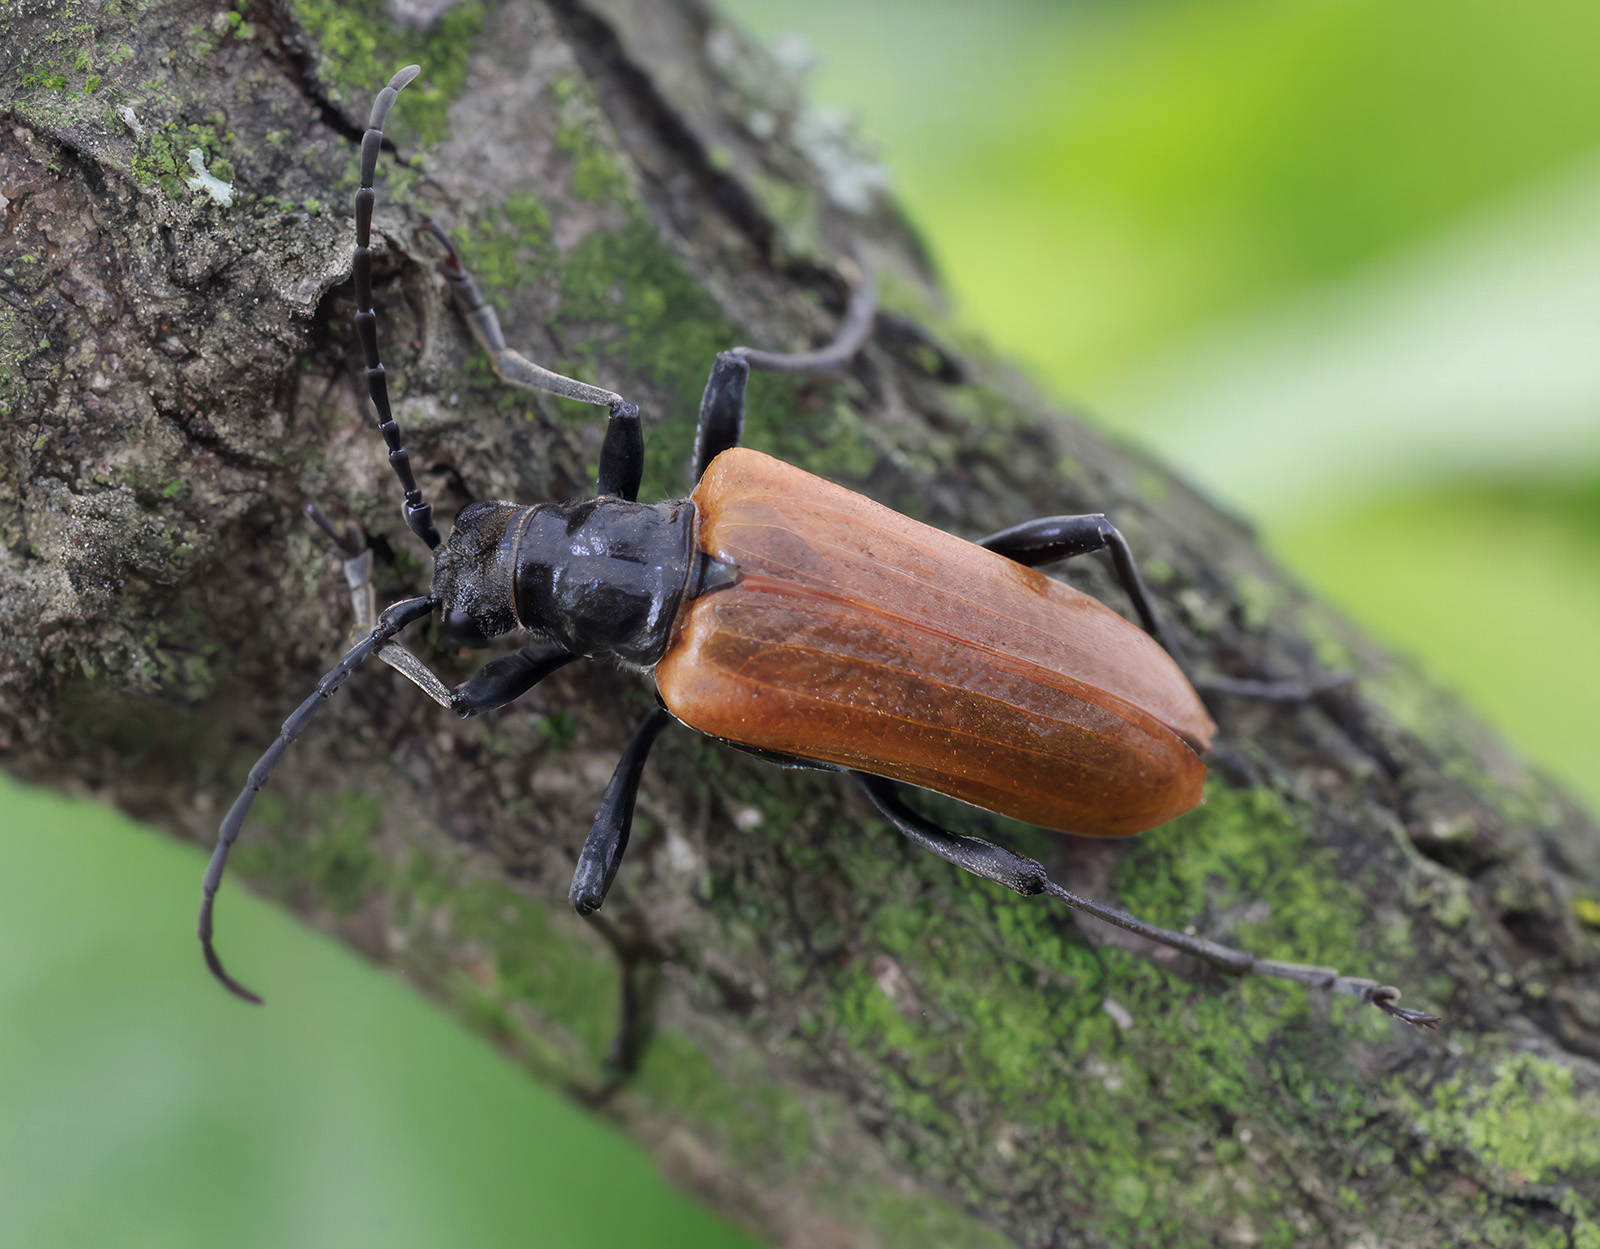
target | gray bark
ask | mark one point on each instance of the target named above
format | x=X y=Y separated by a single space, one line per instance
x=852 y=1045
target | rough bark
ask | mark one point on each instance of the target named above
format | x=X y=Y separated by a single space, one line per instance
x=853 y=1045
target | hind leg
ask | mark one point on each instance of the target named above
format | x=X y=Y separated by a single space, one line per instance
x=1028 y=877
x=1052 y=538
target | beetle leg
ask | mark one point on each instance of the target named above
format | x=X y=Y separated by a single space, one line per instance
x=638 y=964
x=622 y=454
x=721 y=410
x=355 y=557
x=608 y=838
x=1053 y=538
x=853 y=333
x=597 y=868
x=348 y=543
x=504 y=680
x=1028 y=877
x=511 y=367
x=722 y=405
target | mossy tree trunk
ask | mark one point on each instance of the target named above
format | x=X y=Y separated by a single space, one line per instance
x=853 y=1044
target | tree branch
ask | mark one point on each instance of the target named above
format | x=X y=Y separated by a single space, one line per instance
x=850 y=1038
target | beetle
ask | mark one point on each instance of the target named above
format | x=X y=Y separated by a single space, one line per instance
x=794 y=619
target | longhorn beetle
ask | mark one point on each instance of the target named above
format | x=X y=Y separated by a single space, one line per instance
x=804 y=623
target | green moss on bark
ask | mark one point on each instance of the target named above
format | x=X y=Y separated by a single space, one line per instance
x=360 y=47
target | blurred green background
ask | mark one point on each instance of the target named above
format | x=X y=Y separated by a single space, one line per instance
x=1337 y=259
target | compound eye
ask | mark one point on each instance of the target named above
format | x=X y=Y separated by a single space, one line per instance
x=455 y=628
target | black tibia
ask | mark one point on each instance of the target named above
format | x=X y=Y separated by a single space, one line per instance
x=722 y=405
x=418 y=511
x=622 y=454
x=511 y=367
x=390 y=623
x=608 y=838
x=721 y=410
x=1054 y=538
x=1028 y=877
x=971 y=854
x=508 y=678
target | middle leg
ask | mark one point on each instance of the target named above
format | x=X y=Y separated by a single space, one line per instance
x=597 y=868
x=608 y=837
x=722 y=405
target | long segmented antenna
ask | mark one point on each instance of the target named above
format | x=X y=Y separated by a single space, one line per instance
x=390 y=623
x=418 y=511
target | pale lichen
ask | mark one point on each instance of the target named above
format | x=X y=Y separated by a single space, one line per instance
x=220 y=192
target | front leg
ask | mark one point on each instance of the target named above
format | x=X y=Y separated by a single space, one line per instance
x=504 y=680
x=622 y=455
x=355 y=557
x=511 y=367
x=350 y=548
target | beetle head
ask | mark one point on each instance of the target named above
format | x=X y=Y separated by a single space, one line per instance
x=472 y=575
